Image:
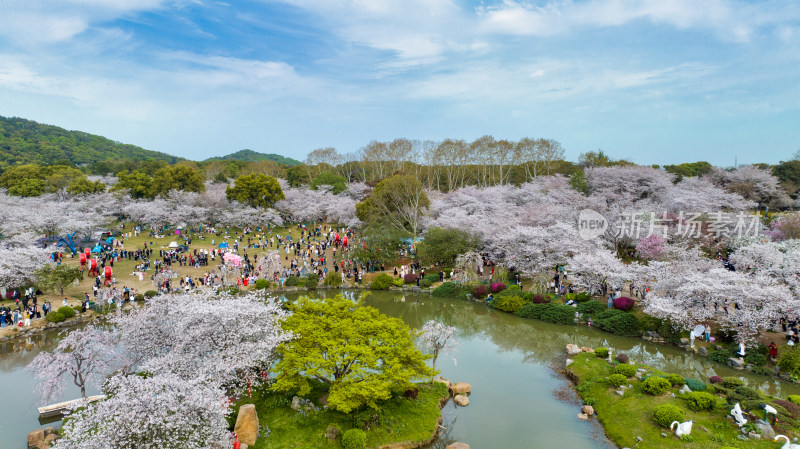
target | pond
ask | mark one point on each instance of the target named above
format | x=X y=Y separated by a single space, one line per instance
x=508 y=361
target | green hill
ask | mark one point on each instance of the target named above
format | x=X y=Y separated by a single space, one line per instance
x=27 y=142
x=252 y=156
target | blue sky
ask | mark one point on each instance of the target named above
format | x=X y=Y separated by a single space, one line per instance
x=654 y=81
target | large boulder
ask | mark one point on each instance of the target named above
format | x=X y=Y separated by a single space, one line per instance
x=35 y=438
x=736 y=363
x=765 y=429
x=458 y=446
x=461 y=400
x=573 y=349
x=460 y=388
x=246 y=427
x=295 y=403
x=587 y=410
x=444 y=381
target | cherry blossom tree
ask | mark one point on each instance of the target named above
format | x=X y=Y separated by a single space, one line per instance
x=752 y=183
x=438 y=339
x=651 y=247
x=18 y=264
x=199 y=336
x=86 y=355
x=164 y=411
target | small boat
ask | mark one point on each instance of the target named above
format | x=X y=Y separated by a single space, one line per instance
x=49 y=411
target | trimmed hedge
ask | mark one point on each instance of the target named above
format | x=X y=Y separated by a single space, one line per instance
x=533 y=311
x=617 y=322
x=654 y=385
x=55 y=317
x=540 y=299
x=138 y=297
x=150 y=293
x=509 y=304
x=592 y=307
x=626 y=370
x=601 y=352
x=715 y=380
x=497 y=287
x=480 y=291
x=676 y=380
x=354 y=439
x=261 y=284
x=381 y=282
x=447 y=290
x=292 y=281
x=617 y=380
x=732 y=382
x=665 y=414
x=559 y=314
x=67 y=311
x=794 y=398
x=700 y=401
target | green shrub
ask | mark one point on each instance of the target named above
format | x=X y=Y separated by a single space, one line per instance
x=700 y=401
x=514 y=289
x=626 y=370
x=508 y=303
x=695 y=385
x=397 y=282
x=333 y=279
x=665 y=414
x=622 y=358
x=617 y=380
x=719 y=356
x=55 y=317
x=755 y=358
x=583 y=296
x=533 y=311
x=601 y=352
x=591 y=308
x=789 y=359
x=528 y=296
x=559 y=314
x=292 y=281
x=67 y=311
x=138 y=297
x=354 y=439
x=381 y=282
x=77 y=309
x=311 y=281
x=654 y=385
x=150 y=293
x=447 y=290
x=794 y=398
x=261 y=284
x=676 y=380
x=425 y=282
x=617 y=322
x=732 y=382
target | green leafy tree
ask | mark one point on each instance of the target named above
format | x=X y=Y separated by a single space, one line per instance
x=176 y=177
x=378 y=245
x=56 y=278
x=442 y=246
x=789 y=174
x=578 y=182
x=257 y=190
x=398 y=202
x=361 y=355
x=85 y=187
x=298 y=175
x=337 y=182
x=689 y=169
x=137 y=183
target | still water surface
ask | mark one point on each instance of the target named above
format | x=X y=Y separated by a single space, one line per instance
x=506 y=359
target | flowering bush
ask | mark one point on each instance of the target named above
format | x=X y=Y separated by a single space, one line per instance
x=715 y=379
x=650 y=247
x=497 y=287
x=410 y=278
x=540 y=299
x=480 y=291
x=624 y=303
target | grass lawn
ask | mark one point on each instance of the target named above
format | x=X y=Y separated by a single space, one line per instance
x=629 y=416
x=400 y=419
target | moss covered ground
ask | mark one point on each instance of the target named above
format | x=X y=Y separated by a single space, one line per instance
x=399 y=419
x=626 y=417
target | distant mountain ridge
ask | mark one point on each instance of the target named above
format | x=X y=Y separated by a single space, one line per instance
x=25 y=141
x=253 y=156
